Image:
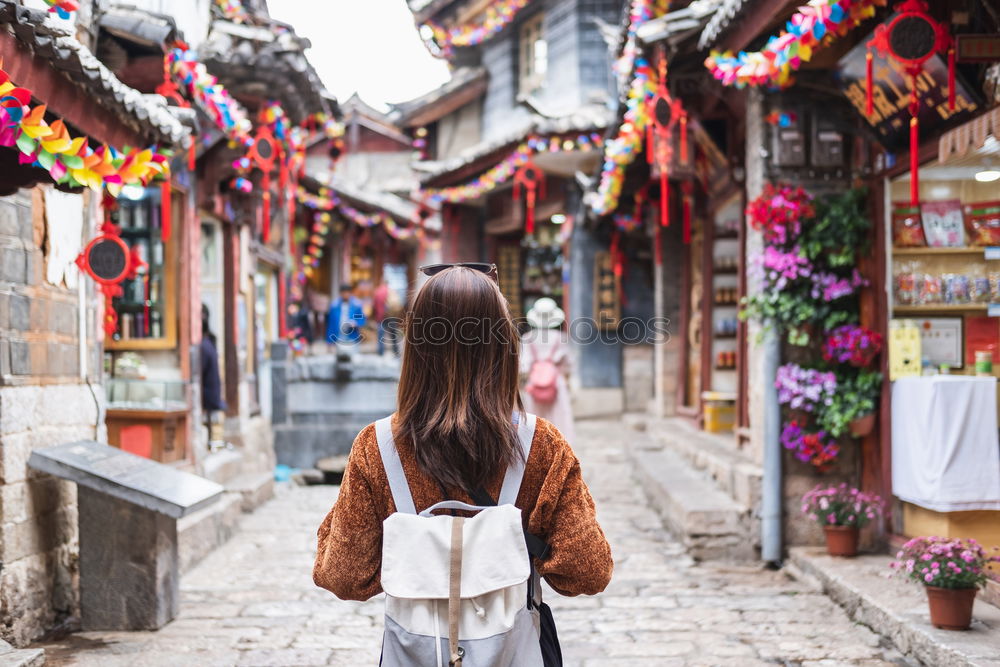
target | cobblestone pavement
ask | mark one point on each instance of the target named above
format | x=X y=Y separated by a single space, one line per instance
x=253 y=602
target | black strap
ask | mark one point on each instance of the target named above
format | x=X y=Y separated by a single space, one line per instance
x=537 y=547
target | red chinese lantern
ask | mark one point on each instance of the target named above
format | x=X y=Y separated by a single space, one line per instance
x=531 y=180
x=263 y=153
x=912 y=38
x=665 y=113
x=109 y=262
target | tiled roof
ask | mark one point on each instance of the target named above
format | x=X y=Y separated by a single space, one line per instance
x=726 y=13
x=266 y=62
x=585 y=119
x=401 y=208
x=678 y=25
x=148 y=115
x=460 y=78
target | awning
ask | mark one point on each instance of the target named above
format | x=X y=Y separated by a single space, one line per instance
x=971 y=135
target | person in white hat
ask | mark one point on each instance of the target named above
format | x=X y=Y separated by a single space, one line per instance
x=545 y=363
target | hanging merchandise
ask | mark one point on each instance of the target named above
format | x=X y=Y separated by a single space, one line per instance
x=109 y=262
x=495 y=18
x=817 y=24
x=531 y=180
x=912 y=37
x=664 y=112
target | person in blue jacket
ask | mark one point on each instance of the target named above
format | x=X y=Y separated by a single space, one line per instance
x=343 y=325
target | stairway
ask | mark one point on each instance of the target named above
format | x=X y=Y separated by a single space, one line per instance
x=706 y=491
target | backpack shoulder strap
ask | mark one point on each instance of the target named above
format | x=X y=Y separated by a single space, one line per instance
x=512 y=479
x=393 y=467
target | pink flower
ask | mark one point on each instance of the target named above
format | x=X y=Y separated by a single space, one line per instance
x=928 y=578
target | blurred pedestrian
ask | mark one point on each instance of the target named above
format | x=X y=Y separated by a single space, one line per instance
x=345 y=319
x=211 y=383
x=546 y=364
x=386 y=307
x=461 y=433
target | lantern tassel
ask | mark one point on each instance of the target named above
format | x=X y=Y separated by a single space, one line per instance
x=914 y=162
x=192 y=154
x=951 y=78
x=664 y=199
x=869 y=104
x=166 y=210
x=684 y=139
x=658 y=251
x=529 y=219
x=266 y=234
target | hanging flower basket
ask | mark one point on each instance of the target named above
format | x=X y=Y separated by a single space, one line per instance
x=951 y=608
x=863 y=426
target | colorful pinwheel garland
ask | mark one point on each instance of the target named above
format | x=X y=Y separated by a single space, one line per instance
x=228 y=114
x=506 y=168
x=64 y=8
x=621 y=151
x=70 y=161
x=232 y=10
x=329 y=201
x=812 y=27
x=498 y=15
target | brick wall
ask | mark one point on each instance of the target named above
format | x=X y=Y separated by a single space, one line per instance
x=43 y=402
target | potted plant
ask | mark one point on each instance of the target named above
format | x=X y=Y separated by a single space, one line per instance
x=851 y=408
x=951 y=570
x=841 y=511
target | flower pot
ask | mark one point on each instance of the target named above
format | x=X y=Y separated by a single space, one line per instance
x=841 y=540
x=951 y=608
x=863 y=426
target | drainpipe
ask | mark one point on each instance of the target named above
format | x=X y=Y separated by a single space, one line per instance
x=771 y=493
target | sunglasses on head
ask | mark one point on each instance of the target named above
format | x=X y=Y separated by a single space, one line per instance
x=482 y=267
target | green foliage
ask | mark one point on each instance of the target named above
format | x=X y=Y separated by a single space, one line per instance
x=840 y=230
x=856 y=396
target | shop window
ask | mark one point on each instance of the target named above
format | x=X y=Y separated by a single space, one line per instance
x=146 y=308
x=534 y=55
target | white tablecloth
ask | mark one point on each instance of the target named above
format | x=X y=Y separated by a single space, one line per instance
x=945 y=450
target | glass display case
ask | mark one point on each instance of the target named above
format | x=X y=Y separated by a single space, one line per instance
x=141 y=394
x=146 y=310
x=148 y=418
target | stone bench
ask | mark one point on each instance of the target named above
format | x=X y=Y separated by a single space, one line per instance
x=128 y=512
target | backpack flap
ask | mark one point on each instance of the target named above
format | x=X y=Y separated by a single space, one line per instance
x=416 y=553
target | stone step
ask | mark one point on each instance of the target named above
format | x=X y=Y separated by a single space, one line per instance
x=222 y=466
x=715 y=456
x=897 y=609
x=707 y=521
x=200 y=533
x=26 y=657
x=255 y=489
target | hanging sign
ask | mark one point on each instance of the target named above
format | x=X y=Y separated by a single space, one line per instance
x=109 y=262
x=607 y=292
x=911 y=38
x=977 y=48
x=891 y=95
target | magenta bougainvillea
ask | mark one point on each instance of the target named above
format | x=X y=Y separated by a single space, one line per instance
x=816 y=448
x=779 y=213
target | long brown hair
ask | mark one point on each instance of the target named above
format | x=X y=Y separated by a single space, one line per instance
x=458 y=383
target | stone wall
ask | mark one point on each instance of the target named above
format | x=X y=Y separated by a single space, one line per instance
x=43 y=402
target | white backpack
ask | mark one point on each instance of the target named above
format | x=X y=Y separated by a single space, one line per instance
x=457 y=589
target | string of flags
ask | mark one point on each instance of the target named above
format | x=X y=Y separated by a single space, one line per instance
x=495 y=18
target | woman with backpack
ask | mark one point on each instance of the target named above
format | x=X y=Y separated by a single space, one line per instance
x=459 y=503
x=545 y=362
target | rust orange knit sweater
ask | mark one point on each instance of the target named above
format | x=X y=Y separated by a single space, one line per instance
x=554 y=502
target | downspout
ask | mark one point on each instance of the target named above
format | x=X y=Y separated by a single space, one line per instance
x=771 y=494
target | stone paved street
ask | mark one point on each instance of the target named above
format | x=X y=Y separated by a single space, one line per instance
x=253 y=602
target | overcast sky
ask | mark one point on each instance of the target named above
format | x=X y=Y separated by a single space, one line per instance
x=368 y=46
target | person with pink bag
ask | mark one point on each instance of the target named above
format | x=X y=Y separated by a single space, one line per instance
x=546 y=364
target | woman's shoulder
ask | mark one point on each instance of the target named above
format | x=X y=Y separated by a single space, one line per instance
x=549 y=440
